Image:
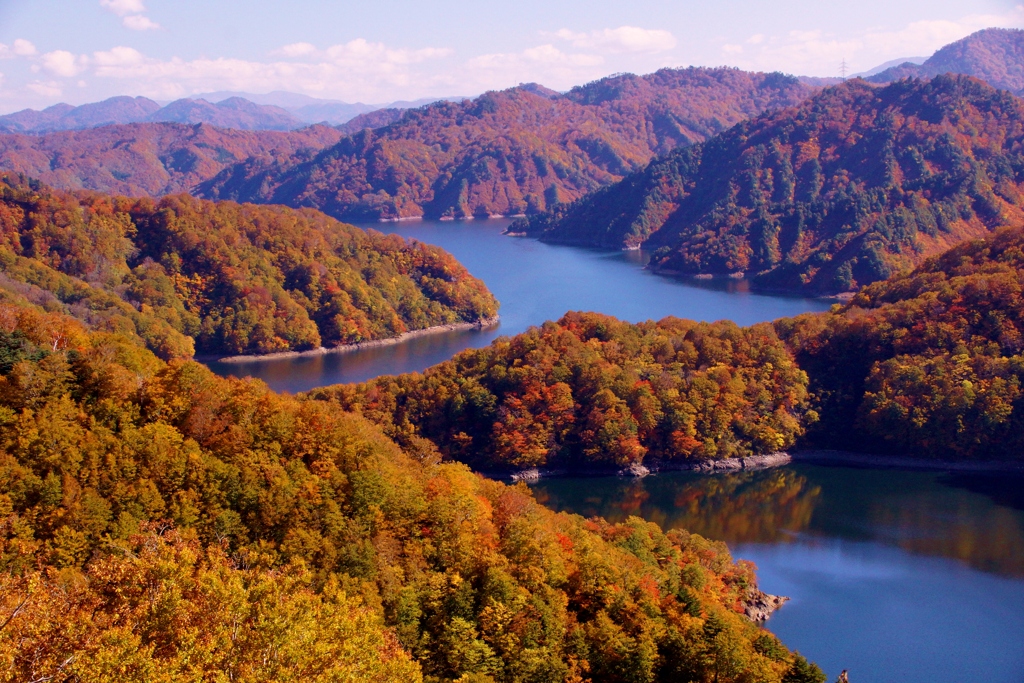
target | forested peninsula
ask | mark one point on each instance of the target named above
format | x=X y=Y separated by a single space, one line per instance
x=925 y=364
x=184 y=275
x=857 y=183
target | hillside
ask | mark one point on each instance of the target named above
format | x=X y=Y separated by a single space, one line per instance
x=149 y=159
x=224 y=278
x=233 y=112
x=516 y=151
x=590 y=392
x=928 y=363
x=995 y=55
x=158 y=522
x=851 y=186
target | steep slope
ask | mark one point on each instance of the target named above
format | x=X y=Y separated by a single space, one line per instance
x=149 y=159
x=161 y=523
x=235 y=279
x=851 y=186
x=234 y=112
x=995 y=55
x=511 y=152
x=928 y=363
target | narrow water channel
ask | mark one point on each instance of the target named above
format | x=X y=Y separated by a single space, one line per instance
x=534 y=282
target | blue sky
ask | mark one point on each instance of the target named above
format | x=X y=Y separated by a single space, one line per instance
x=79 y=51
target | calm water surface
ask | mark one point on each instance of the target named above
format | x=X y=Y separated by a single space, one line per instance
x=534 y=282
x=900 y=577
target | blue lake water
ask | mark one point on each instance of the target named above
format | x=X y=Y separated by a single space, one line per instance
x=534 y=282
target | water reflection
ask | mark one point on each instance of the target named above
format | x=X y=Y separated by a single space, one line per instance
x=964 y=518
x=750 y=507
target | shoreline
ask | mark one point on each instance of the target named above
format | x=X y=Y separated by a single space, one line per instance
x=348 y=348
x=869 y=460
x=761 y=462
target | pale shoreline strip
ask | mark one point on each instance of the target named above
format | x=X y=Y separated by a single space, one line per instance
x=347 y=348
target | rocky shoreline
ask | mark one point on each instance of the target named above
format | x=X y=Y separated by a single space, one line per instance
x=759 y=462
x=760 y=605
x=347 y=348
x=754 y=462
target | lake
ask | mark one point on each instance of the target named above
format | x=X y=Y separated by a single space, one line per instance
x=534 y=282
x=898 y=576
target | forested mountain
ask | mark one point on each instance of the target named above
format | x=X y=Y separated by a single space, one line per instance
x=377 y=118
x=184 y=273
x=233 y=112
x=515 y=151
x=150 y=159
x=995 y=55
x=159 y=522
x=929 y=363
x=592 y=392
x=845 y=189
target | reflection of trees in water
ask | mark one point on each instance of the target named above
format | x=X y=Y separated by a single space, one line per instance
x=975 y=519
x=743 y=507
x=985 y=536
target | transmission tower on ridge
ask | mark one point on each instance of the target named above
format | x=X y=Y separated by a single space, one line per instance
x=842 y=69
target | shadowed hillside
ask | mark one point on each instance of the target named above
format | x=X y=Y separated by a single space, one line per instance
x=855 y=184
x=516 y=151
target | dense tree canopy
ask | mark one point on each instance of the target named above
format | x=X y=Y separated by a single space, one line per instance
x=515 y=151
x=854 y=185
x=593 y=391
x=158 y=520
x=926 y=363
x=233 y=278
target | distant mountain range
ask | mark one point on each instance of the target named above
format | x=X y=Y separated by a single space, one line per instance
x=851 y=186
x=234 y=112
x=515 y=151
x=243 y=111
x=150 y=159
x=995 y=55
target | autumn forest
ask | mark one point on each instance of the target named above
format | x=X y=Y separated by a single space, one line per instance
x=159 y=522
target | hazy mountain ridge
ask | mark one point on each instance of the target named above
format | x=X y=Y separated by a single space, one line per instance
x=149 y=159
x=847 y=188
x=234 y=112
x=995 y=55
x=514 y=151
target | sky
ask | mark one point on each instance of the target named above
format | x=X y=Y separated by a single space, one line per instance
x=378 y=51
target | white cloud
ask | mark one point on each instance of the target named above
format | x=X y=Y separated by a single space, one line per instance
x=20 y=48
x=295 y=50
x=24 y=48
x=48 y=90
x=123 y=7
x=621 y=39
x=820 y=53
x=62 y=63
x=139 y=22
x=359 y=69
